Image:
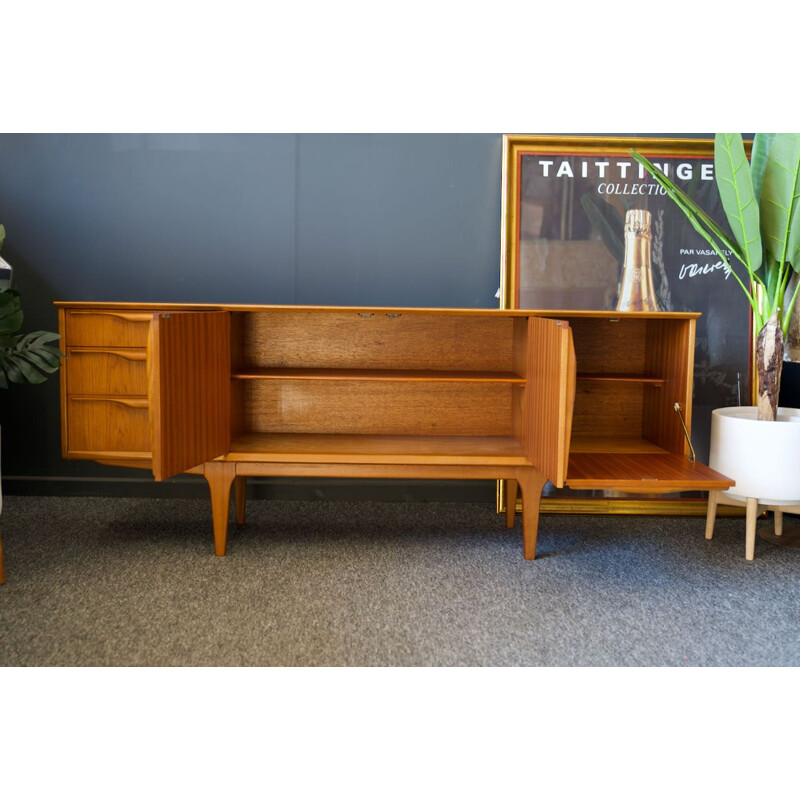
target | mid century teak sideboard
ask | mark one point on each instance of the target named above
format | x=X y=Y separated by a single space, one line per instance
x=586 y=399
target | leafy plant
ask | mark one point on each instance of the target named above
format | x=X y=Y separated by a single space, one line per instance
x=761 y=200
x=24 y=358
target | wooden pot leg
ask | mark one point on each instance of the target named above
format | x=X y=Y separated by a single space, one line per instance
x=531 y=481
x=711 y=514
x=778 y=522
x=240 y=498
x=512 y=489
x=220 y=475
x=750 y=537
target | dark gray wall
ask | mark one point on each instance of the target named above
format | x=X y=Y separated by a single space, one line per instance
x=370 y=219
x=330 y=219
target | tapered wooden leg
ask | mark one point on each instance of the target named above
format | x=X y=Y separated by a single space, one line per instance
x=750 y=540
x=778 y=522
x=711 y=514
x=531 y=482
x=512 y=489
x=220 y=475
x=2 y=564
x=240 y=498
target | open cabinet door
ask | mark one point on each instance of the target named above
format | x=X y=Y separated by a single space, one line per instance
x=549 y=397
x=189 y=387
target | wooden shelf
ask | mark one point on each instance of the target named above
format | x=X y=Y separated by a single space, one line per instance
x=619 y=376
x=377 y=449
x=448 y=376
x=612 y=444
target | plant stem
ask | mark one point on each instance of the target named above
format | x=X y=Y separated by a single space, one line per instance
x=787 y=312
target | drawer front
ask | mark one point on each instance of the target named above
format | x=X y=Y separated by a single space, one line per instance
x=107 y=328
x=107 y=371
x=107 y=427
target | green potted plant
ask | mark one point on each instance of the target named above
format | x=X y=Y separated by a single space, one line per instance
x=761 y=200
x=24 y=358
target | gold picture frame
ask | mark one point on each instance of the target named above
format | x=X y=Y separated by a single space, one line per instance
x=562 y=199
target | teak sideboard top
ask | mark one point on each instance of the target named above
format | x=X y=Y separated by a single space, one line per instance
x=585 y=399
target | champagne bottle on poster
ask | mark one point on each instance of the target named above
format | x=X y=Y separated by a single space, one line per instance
x=637 y=292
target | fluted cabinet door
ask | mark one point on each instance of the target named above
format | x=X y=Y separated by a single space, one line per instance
x=549 y=397
x=189 y=376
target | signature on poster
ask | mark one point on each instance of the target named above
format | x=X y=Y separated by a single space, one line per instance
x=695 y=269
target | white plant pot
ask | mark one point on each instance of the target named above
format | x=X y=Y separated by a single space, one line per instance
x=762 y=457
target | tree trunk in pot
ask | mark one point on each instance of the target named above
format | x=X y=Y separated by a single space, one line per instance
x=769 y=362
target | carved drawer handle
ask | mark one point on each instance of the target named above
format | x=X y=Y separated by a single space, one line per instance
x=130 y=402
x=129 y=355
x=128 y=316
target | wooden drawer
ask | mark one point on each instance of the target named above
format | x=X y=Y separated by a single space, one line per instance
x=107 y=371
x=108 y=426
x=103 y=328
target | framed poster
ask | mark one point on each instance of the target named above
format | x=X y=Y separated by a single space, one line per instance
x=565 y=200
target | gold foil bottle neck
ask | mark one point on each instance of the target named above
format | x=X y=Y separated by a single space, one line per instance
x=637 y=221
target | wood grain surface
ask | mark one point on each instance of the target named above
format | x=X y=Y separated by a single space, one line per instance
x=189 y=377
x=642 y=472
x=670 y=354
x=367 y=340
x=547 y=400
x=366 y=449
x=121 y=371
x=377 y=407
x=240 y=390
x=101 y=425
x=386 y=375
x=106 y=328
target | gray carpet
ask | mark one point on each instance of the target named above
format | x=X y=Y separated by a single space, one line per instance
x=134 y=582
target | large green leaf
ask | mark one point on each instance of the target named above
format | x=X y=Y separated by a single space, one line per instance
x=780 y=199
x=772 y=274
x=24 y=358
x=29 y=372
x=39 y=337
x=693 y=212
x=30 y=359
x=758 y=160
x=10 y=312
x=736 y=192
x=46 y=360
x=710 y=230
